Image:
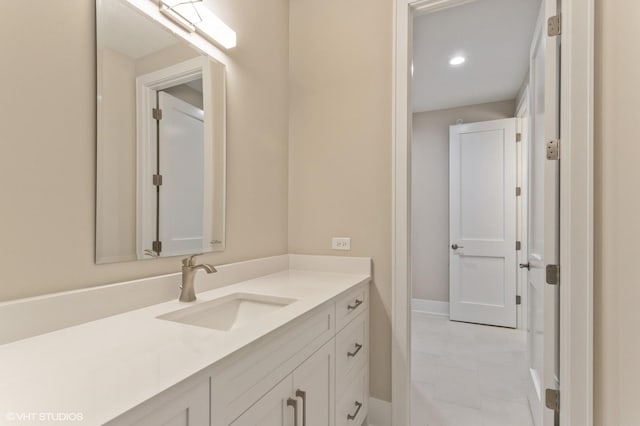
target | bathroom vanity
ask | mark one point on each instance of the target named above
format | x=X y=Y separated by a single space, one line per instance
x=287 y=347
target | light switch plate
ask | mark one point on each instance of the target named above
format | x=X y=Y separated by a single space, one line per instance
x=341 y=243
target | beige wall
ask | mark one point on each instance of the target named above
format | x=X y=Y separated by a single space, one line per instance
x=430 y=193
x=48 y=135
x=187 y=94
x=340 y=145
x=116 y=157
x=617 y=280
x=164 y=58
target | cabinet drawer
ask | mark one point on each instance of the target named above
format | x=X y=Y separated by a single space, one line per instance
x=349 y=306
x=352 y=407
x=352 y=349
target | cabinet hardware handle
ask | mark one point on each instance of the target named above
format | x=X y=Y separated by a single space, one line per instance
x=303 y=395
x=354 y=415
x=354 y=353
x=293 y=403
x=355 y=305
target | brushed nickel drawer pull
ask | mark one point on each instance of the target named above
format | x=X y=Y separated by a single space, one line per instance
x=354 y=415
x=303 y=395
x=354 y=353
x=293 y=403
x=355 y=305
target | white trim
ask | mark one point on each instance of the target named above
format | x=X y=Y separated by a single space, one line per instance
x=379 y=413
x=400 y=218
x=433 y=307
x=576 y=318
x=576 y=213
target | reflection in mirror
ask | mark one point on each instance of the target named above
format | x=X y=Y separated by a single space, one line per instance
x=160 y=141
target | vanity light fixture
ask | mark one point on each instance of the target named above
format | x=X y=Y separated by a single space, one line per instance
x=195 y=17
x=457 y=60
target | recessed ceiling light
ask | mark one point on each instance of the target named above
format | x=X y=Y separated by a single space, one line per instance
x=457 y=60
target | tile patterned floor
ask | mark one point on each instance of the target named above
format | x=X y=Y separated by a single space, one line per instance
x=468 y=374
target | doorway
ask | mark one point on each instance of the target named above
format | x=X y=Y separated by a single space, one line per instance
x=469 y=360
x=576 y=232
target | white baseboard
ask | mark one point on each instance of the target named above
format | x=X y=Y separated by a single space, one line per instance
x=434 y=307
x=379 y=413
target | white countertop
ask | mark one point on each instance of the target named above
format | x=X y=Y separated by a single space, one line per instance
x=104 y=368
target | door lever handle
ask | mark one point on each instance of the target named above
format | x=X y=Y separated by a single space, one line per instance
x=354 y=415
x=354 y=353
x=525 y=265
x=456 y=247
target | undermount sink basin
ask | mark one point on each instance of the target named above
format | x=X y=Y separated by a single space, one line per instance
x=229 y=312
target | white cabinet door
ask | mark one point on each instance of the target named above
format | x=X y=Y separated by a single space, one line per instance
x=307 y=393
x=271 y=409
x=483 y=222
x=190 y=408
x=313 y=387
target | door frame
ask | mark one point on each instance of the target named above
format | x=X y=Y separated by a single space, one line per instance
x=576 y=215
x=147 y=85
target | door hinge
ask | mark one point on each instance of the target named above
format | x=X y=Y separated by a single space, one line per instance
x=553 y=274
x=552 y=399
x=518 y=191
x=157 y=180
x=156 y=113
x=518 y=137
x=156 y=246
x=554 y=25
x=518 y=300
x=518 y=246
x=553 y=149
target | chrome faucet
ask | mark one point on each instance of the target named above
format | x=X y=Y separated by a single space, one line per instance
x=189 y=269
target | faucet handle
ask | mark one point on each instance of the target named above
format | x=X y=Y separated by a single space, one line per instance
x=188 y=261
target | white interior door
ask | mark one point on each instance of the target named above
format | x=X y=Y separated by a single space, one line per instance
x=181 y=160
x=482 y=227
x=544 y=214
x=313 y=384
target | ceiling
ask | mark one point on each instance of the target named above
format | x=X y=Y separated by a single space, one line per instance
x=125 y=30
x=493 y=35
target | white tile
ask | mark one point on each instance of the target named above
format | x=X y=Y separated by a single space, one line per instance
x=468 y=374
x=458 y=386
x=429 y=343
x=436 y=413
x=496 y=412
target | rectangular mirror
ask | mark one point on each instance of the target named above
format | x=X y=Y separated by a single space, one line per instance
x=160 y=184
